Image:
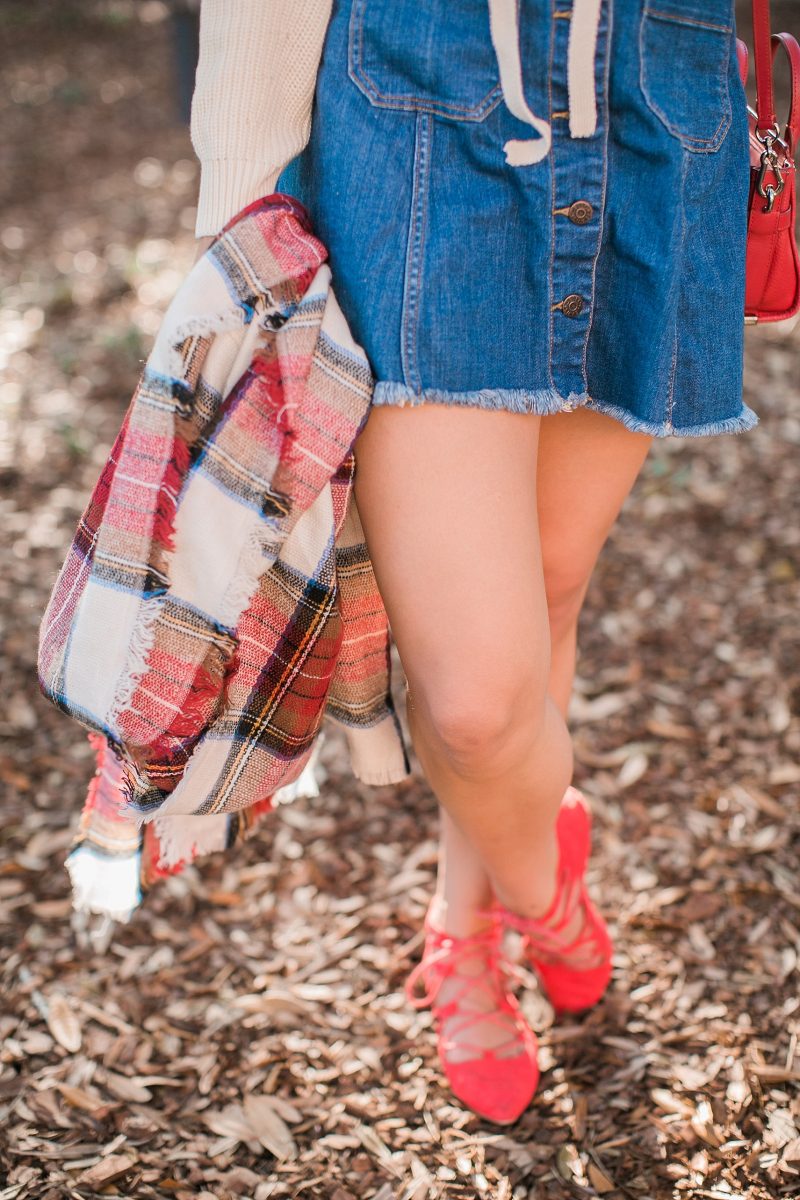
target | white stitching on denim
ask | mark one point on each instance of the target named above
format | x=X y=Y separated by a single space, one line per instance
x=603 y=187
x=679 y=19
x=416 y=245
x=674 y=363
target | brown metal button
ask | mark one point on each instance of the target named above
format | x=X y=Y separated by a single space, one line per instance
x=572 y=305
x=581 y=212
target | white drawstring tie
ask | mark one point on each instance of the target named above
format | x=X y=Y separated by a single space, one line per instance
x=504 y=26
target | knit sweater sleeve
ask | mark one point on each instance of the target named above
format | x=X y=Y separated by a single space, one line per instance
x=253 y=93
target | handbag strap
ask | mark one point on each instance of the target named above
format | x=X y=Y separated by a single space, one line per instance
x=762 y=52
x=792 y=48
x=765 y=45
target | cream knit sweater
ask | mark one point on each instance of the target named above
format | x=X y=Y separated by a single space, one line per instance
x=251 y=107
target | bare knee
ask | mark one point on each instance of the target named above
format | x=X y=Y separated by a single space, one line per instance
x=484 y=730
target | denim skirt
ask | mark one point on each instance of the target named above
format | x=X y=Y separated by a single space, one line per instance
x=605 y=271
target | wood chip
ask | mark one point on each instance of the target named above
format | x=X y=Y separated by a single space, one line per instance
x=63 y=1023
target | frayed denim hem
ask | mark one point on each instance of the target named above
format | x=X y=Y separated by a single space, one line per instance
x=548 y=400
x=541 y=402
x=747 y=419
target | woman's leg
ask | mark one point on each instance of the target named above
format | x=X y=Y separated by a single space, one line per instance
x=447 y=497
x=463 y=889
x=587 y=464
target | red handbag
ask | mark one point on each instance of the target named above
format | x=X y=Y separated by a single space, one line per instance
x=772 y=269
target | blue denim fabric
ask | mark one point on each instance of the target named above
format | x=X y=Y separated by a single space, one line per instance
x=451 y=265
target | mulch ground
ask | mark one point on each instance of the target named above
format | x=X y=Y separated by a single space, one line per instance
x=246 y=1034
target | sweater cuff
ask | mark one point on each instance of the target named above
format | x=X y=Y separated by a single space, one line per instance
x=226 y=186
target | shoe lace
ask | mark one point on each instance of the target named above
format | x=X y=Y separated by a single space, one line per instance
x=444 y=954
x=546 y=936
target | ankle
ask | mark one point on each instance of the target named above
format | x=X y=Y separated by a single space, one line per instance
x=533 y=895
x=531 y=907
x=459 y=920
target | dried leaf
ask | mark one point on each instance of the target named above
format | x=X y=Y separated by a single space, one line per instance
x=63 y=1023
x=125 y=1088
x=229 y=1122
x=632 y=770
x=599 y=1180
x=270 y=1129
x=670 y=1103
x=90 y=1101
x=272 y=1001
x=569 y=1165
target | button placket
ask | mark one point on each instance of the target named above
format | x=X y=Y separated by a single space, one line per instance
x=578 y=166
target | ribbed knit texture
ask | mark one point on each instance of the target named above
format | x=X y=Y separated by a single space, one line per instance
x=251 y=107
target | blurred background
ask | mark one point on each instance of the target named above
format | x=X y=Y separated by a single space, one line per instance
x=131 y=1070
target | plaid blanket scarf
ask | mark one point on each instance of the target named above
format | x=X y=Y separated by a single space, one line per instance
x=217 y=600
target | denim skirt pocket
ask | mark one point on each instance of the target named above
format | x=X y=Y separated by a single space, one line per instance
x=693 y=102
x=435 y=57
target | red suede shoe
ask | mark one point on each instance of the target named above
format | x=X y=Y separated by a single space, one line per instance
x=574 y=972
x=496 y=1083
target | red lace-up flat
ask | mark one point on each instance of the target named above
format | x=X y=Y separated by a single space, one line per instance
x=495 y=1083
x=574 y=971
